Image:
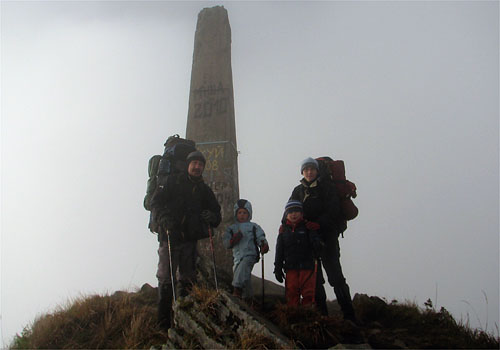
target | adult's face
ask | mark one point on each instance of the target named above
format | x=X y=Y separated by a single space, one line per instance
x=195 y=168
x=310 y=173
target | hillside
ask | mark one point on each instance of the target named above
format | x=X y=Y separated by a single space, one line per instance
x=214 y=319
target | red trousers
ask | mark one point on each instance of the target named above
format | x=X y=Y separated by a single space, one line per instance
x=300 y=283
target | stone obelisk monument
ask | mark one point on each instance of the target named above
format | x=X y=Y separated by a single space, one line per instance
x=211 y=121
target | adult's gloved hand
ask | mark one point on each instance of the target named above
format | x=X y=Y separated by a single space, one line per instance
x=278 y=273
x=311 y=225
x=208 y=216
x=318 y=247
x=166 y=223
x=264 y=248
x=235 y=239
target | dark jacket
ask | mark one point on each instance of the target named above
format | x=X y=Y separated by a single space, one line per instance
x=178 y=206
x=295 y=247
x=320 y=204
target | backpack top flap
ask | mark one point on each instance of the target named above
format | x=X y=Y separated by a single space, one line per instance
x=179 y=151
x=331 y=169
x=174 y=157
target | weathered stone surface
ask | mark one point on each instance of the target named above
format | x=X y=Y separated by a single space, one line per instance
x=219 y=323
x=369 y=308
x=211 y=121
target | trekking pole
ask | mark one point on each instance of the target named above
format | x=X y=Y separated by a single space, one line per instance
x=213 y=254
x=170 y=263
x=315 y=279
x=262 y=280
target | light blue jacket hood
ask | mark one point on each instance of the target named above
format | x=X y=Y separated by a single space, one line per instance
x=242 y=203
x=246 y=246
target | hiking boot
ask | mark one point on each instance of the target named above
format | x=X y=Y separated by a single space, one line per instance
x=237 y=292
x=249 y=302
x=351 y=317
x=344 y=299
x=165 y=298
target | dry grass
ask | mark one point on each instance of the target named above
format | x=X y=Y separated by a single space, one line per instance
x=94 y=322
x=306 y=327
x=207 y=298
x=424 y=328
x=128 y=321
x=252 y=340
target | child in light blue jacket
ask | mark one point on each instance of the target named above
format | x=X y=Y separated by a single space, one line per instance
x=244 y=238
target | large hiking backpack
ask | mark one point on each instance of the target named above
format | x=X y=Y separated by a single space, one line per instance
x=173 y=161
x=334 y=170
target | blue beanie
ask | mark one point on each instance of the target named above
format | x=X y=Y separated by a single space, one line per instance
x=309 y=162
x=293 y=204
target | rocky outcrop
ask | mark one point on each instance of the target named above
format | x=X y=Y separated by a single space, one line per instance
x=216 y=320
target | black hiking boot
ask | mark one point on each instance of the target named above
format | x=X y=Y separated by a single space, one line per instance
x=237 y=292
x=165 y=298
x=344 y=299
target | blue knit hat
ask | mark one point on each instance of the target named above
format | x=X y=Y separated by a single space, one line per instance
x=293 y=205
x=309 y=162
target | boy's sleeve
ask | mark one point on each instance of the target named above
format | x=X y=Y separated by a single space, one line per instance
x=261 y=235
x=228 y=234
x=279 y=256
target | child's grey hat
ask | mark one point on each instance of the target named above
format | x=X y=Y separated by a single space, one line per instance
x=309 y=162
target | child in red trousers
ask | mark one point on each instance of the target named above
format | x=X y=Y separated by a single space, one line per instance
x=297 y=248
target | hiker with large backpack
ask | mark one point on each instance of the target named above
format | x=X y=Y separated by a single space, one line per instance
x=322 y=209
x=247 y=240
x=184 y=210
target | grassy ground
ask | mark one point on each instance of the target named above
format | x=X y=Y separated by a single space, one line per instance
x=128 y=321
x=120 y=321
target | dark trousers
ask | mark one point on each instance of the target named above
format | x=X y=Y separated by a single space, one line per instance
x=331 y=263
x=184 y=256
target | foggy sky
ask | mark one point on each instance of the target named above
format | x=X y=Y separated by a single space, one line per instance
x=407 y=93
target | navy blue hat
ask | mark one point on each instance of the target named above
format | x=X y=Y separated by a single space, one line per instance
x=293 y=205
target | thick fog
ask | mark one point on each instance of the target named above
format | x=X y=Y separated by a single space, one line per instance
x=406 y=93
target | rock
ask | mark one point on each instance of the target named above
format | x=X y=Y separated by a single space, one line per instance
x=369 y=309
x=147 y=288
x=218 y=321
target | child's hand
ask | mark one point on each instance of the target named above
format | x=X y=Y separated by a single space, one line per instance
x=318 y=248
x=235 y=239
x=264 y=248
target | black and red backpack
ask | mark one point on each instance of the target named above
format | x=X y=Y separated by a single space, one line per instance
x=334 y=171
